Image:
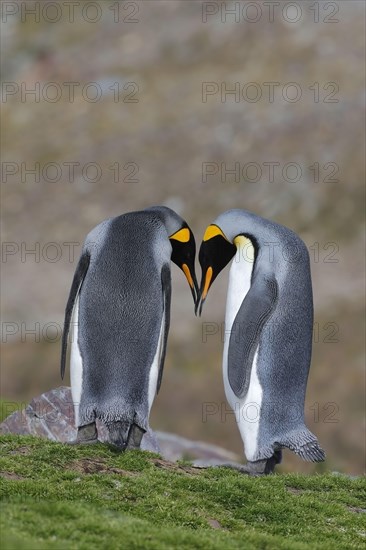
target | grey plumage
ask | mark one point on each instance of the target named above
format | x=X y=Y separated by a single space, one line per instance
x=124 y=288
x=274 y=321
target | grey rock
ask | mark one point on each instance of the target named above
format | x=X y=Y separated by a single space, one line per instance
x=175 y=447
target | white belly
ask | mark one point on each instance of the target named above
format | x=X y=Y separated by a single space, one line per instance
x=154 y=370
x=247 y=410
x=76 y=362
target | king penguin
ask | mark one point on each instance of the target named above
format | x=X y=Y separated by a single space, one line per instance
x=268 y=327
x=119 y=309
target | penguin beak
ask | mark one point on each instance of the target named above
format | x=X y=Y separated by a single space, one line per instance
x=215 y=253
x=205 y=286
x=183 y=255
x=192 y=281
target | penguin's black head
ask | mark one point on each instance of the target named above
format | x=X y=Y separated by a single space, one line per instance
x=184 y=254
x=215 y=253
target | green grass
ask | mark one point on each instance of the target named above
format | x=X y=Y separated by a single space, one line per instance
x=56 y=496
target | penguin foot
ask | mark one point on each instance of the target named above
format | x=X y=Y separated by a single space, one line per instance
x=264 y=467
x=134 y=437
x=259 y=467
x=87 y=435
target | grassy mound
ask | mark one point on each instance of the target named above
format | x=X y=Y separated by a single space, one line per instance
x=56 y=496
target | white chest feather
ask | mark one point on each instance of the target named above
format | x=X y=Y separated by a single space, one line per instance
x=247 y=409
x=76 y=362
x=154 y=370
x=239 y=280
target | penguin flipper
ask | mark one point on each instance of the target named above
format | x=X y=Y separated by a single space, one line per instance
x=167 y=292
x=79 y=276
x=255 y=310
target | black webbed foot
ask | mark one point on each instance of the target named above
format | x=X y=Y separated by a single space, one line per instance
x=87 y=435
x=134 y=437
x=258 y=467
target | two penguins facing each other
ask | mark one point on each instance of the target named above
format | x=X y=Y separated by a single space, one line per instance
x=119 y=311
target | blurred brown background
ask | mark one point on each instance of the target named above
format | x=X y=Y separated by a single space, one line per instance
x=125 y=92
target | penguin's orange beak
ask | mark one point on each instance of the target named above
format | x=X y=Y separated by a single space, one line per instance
x=187 y=273
x=207 y=281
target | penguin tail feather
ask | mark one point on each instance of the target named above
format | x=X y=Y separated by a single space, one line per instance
x=118 y=433
x=311 y=452
x=124 y=435
x=305 y=445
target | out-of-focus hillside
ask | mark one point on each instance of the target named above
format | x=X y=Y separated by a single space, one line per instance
x=161 y=132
